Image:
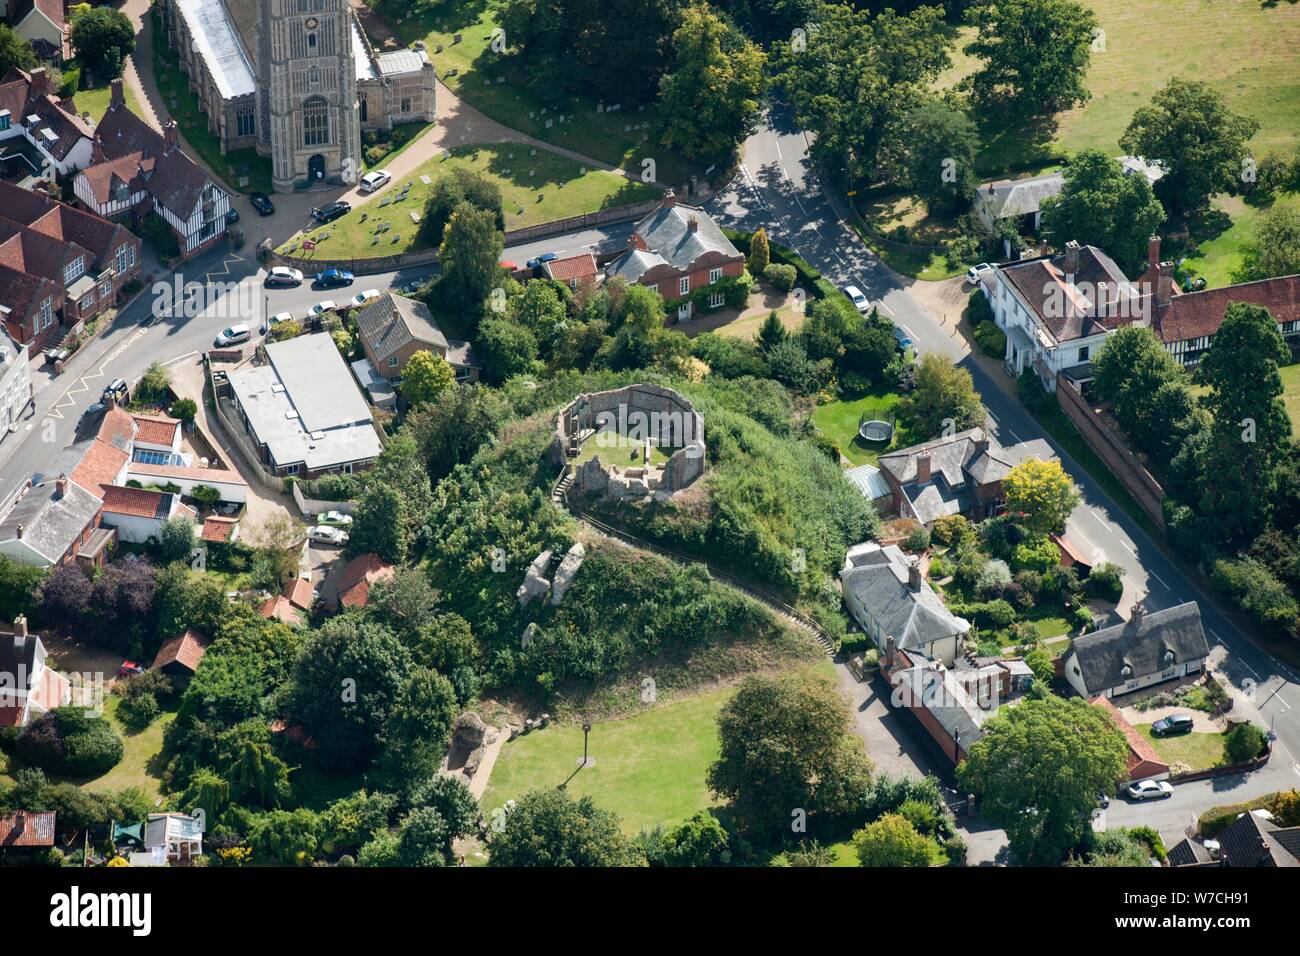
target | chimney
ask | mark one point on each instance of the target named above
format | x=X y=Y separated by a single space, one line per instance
x=692 y=225
x=115 y=96
x=1153 y=254
x=61 y=485
x=18 y=531
x=922 y=468
x=1135 y=619
x=1164 y=285
x=1071 y=264
x=981 y=442
x=97 y=150
x=914 y=575
x=670 y=199
x=891 y=650
x=20 y=632
x=171 y=135
x=40 y=81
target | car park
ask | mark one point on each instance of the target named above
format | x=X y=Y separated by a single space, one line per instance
x=331 y=278
x=232 y=336
x=975 y=273
x=1150 y=790
x=374 y=180
x=320 y=308
x=363 y=298
x=324 y=534
x=859 y=300
x=331 y=212
x=335 y=517
x=1172 y=726
x=262 y=203
x=284 y=276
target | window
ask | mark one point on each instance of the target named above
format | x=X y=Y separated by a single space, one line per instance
x=1084 y=353
x=149 y=456
x=46 y=317
x=106 y=287
x=4 y=121
x=311 y=44
x=363 y=109
x=73 y=270
x=716 y=300
x=406 y=105
x=86 y=304
x=315 y=122
x=244 y=123
x=121 y=264
x=715 y=275
x=392 y=361
x=685 y=285
x=313 y=76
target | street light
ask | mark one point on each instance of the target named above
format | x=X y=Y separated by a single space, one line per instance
x=586 y=729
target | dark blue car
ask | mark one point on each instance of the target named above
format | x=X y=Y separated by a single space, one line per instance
x=333 y=277
x=544 y=257
x=904 y=341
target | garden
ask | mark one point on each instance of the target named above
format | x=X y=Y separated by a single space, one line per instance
x=839 y=419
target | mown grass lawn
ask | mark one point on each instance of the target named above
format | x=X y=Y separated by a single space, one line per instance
x=1219 y=255
x=1197 y=750
x=399 y=139
x=479 y=72
x=95 y=101
x=536 y=186
x=838 y=421
x=1290 y=394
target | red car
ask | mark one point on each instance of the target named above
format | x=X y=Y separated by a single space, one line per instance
x=129 y=669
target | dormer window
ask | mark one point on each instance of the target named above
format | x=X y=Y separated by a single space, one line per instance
x=1169 y=656
x=1126 y=670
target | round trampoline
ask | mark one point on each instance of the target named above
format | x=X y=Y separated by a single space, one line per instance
x=875 y=430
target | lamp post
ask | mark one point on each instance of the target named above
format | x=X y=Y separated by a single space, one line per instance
x=586 y=729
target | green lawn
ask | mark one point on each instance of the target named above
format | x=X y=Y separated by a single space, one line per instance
x=1197 y=750
x=1230 y=224
x=476 y=79
x=95 y=102
x=838 y=421
x=398 y=140
x=535 y=189
x=183 y=105
x=616 y=449
x=885 y=215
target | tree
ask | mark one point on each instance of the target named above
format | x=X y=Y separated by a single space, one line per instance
x=445 y=642
x=455 y=426
x=188 y=599
x=102 y=38
x=424 y=840
x=542 y=312
x=507 y=349
x=708 y=101
x=185 y=409
x=941 y=144
x=66 y=597
x=944 y=398
x=1274 y=249
x=15 y=52
x=419 y=724
x=19 y=587
x=450 y=190
x=1251 y=432
x=469 y=255
x=1200 y=142
x=772 y=333
x=891 y=841
x=760 y=252
x=1135 y=373
x=279 y=539
x=426 y=376
x=1016 y=771
x=1244 y=742
x=244 y=757
x=405 y=602
x=549 y=828
x=787 y=745
x=1036 y=55
x=381 y=525
x=1101 y=206
x=175 y=541
x=1040 y=494
x=700 y=841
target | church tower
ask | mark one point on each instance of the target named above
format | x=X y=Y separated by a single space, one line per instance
x=308 y=122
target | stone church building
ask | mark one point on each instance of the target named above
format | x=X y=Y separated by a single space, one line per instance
x=297 y=80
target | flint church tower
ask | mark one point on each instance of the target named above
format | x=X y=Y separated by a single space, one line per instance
x=308 y=121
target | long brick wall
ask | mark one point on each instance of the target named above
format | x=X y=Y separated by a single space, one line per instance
x=1110 y=447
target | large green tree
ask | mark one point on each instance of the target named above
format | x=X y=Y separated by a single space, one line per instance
x=419 y=725
x=102 y=38
x=944 y=399
x=15 y=52
x=1037 y=771
x=1274 y=249
x=449 y=191
x=1035 y=53
x=426 y=376
x=550 y=828
x=1101 y=206
x=891 y=841
x=940 y=145
x=470 y=257
x=1202 y=144
x=1040 y=494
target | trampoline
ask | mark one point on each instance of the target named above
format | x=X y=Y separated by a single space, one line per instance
x=875 y=430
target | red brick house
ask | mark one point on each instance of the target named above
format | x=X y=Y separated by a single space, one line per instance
x=393 y=328
x=678 y=249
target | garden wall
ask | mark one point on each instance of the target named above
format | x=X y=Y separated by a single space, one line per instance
x=1123 y=464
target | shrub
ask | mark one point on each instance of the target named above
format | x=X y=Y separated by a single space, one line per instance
x=138 y=712
x=1032 y=394
x=952 y=530
x=991 y=339
x=71 y=742
x=185 y=409
x=206 y=496
x=1081 y=618
x=995 y=614
x=993 y=577
x=917 y=541
x=1244 y=742
x=780 y=277
x=1106 y=582
x=1038 y=553
x=978 y=309
x=1252 y=586
x=1041 y=663
x=938 y=569
x=1024 y=634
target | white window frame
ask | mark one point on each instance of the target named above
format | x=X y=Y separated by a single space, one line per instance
x=684 y=285
x=74 y=270
x=715 y=275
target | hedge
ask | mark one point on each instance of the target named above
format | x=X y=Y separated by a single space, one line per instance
x=810 y=280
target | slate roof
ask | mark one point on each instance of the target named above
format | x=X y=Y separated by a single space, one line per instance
x=65 y=222
x=51 y=522
x=1069 y=310
x=1187 y=852
x=1019 y=197
x=393 y=321
x=878 y=579
x=14 y=661
x=1140 y=643
x=665 y=236
x=1193 y=315
x=1251 y=840
x=17 y=97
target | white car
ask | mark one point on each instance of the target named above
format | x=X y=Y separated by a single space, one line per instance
x=363 y=298
x=335 y=517
x=323 y=534
x=1150 y=790
x=375 y=180
x=320 y=308
x=860 y=301
x=283 y=275
x=233 y=336
x=975 y=273
x=278 y=319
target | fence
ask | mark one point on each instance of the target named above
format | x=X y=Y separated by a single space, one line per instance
x=314 y=506
x=1102 y=439
x=404 y=260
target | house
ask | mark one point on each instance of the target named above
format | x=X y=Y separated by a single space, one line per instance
x=28 y=687
x=1022 y=199
x=40 y=23
x=15 y=382
x=890 y=600
x=47 y=523
x=359 y=575
x=1147 y=649
x=303 y=410
x=179 y=657
x=678 y=250
x=86 y=288
x=573 y=271
x=1250 y=840
x=139 y=514
x=25 y=829
x=42 y=138
x=291 y=605
x=958 y=474
x=1143 y=762
x=393 y=328
x=134 y=171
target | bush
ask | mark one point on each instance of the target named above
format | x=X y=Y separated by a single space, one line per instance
x=978 y=309
x=938 y=569
x=1244 y=742
x=993 y=577
x=1081 y=618
x=1254 y=588
x=71 y=742
x=780 y=277
x=1106 y=582
x=952 y=530
x=917 y=541
x=185 y=409
x=205 y=496
x=138 y=712
x=995 y=614
x=991 y=340
x=1038 y=553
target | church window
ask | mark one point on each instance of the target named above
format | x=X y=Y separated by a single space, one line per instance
x=315 y=122
x=244 y=124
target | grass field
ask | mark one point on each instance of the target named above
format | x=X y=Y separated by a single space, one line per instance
x=1290 y=394
x=1197 y=750
x=476 y=74
x=398 y=140
x=747 y=328
x=1219 y=255
x=535 y=188
x=838 y=421
x=95 y=102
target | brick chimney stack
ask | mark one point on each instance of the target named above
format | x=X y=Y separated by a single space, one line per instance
x=97 y=150
x=692 y=225
x=914 y=574
x=1071 y=264
x=40 y=81
x=1164 y=285
x=116 y=96
x=1135 y=618
x=890 y=652
x=171 y=135
x=1153 y=254
x=61 y=485
x=670 y=199
x=20 y=632
x=922 y=469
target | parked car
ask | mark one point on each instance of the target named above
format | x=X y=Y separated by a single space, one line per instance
x=233 y=336
x=375 y=180
x=320 y=308
x=262 y=203
x=1172 y=726
x=283 y=275
x=116 y=391
x=975 y=273
x=324 y=534
x=859 y=300
x=1150 y=790
x=232 y=216
x=544 y=257
x=333 y=277
x=129 y=669
x=1103 y=801
x=331 y=212
x=363 y=298
x=335 y=517
x=278 y=319
x=904 y=340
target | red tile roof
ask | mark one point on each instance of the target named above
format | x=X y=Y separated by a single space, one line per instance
x=217 y=528
x=186 y=650
x=1143 y=761
x=1197 y=314
x=299 y=593
x=100 y=465
x=156 y=430
x=358 y=576
x=574 y=267
x=140 y=502
x=280 y=608
x=27 y=829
